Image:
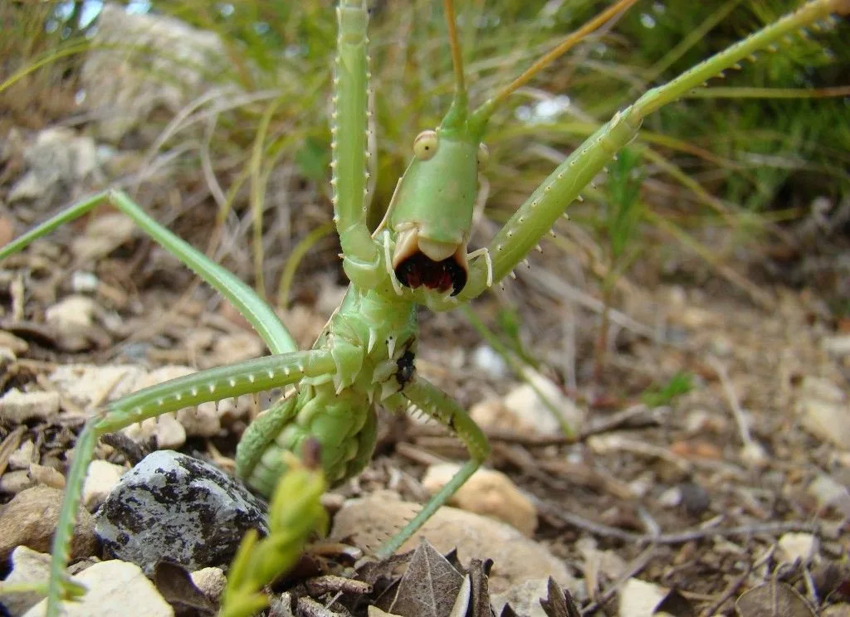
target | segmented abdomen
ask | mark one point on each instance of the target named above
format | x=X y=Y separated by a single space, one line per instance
x=344 y=424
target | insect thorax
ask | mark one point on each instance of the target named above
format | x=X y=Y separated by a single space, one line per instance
x=373 y=343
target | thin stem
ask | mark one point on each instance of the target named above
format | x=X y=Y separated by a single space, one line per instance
x=486 y=110
x=457 y=57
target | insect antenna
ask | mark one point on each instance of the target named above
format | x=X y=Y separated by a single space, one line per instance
x=457 y=56
x=458 y=112
x=483 y=113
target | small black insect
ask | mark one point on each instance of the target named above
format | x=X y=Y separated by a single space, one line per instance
x=405 y=368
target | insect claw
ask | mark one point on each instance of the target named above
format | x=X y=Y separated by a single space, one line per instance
x=388 y=260
x=488 y=261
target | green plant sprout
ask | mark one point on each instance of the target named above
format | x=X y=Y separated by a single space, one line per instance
x=417 y=256
x=679 y=384
x=295 y=514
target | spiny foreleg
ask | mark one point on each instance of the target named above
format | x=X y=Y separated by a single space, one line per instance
x=210 y=385
x=540 y=212
x=440 y=406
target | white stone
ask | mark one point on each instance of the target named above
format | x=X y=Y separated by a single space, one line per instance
x=48 y=476
x=488 y=492
x=28 y=567
x=101 y=477
x=671 y=498
x=86 y=385
x=488 y=360
x=802 y=546
x=827 y=421
x=201 y=421
x=639 y=598
x=754 y=455
x=210 y=581
x=534 y=415
x=821 y=389
x=103 y=235
x=18 y=407
x=830 y=494
x=837 y=345
x=23 y=456
x=16 y=481
x=114 y=588
x=124 y=88
x=58 y=160
x=71 y=313
x=84 y=282
x=517 y=559
x=168 y=432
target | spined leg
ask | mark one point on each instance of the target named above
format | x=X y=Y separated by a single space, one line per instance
x=537 y=215
x=440 y=406
x=350 y=138
x=243 y=298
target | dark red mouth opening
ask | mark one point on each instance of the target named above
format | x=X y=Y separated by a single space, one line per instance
x=419 y=269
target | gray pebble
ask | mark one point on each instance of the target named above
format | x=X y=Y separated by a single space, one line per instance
x=180 y=509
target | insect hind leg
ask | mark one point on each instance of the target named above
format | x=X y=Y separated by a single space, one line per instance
x=440 y=406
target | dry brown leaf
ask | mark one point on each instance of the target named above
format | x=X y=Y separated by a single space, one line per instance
x=430 y=586
x=773 y=599
x=559 y=602
x=175 y=584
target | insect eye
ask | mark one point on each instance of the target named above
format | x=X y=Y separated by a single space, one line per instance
x=483 y=157
x=425 y=145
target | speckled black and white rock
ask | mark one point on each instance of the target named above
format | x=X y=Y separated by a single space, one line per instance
x=177 y=508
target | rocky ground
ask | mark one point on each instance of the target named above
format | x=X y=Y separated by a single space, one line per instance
x=706 y=470
x=738 y=483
